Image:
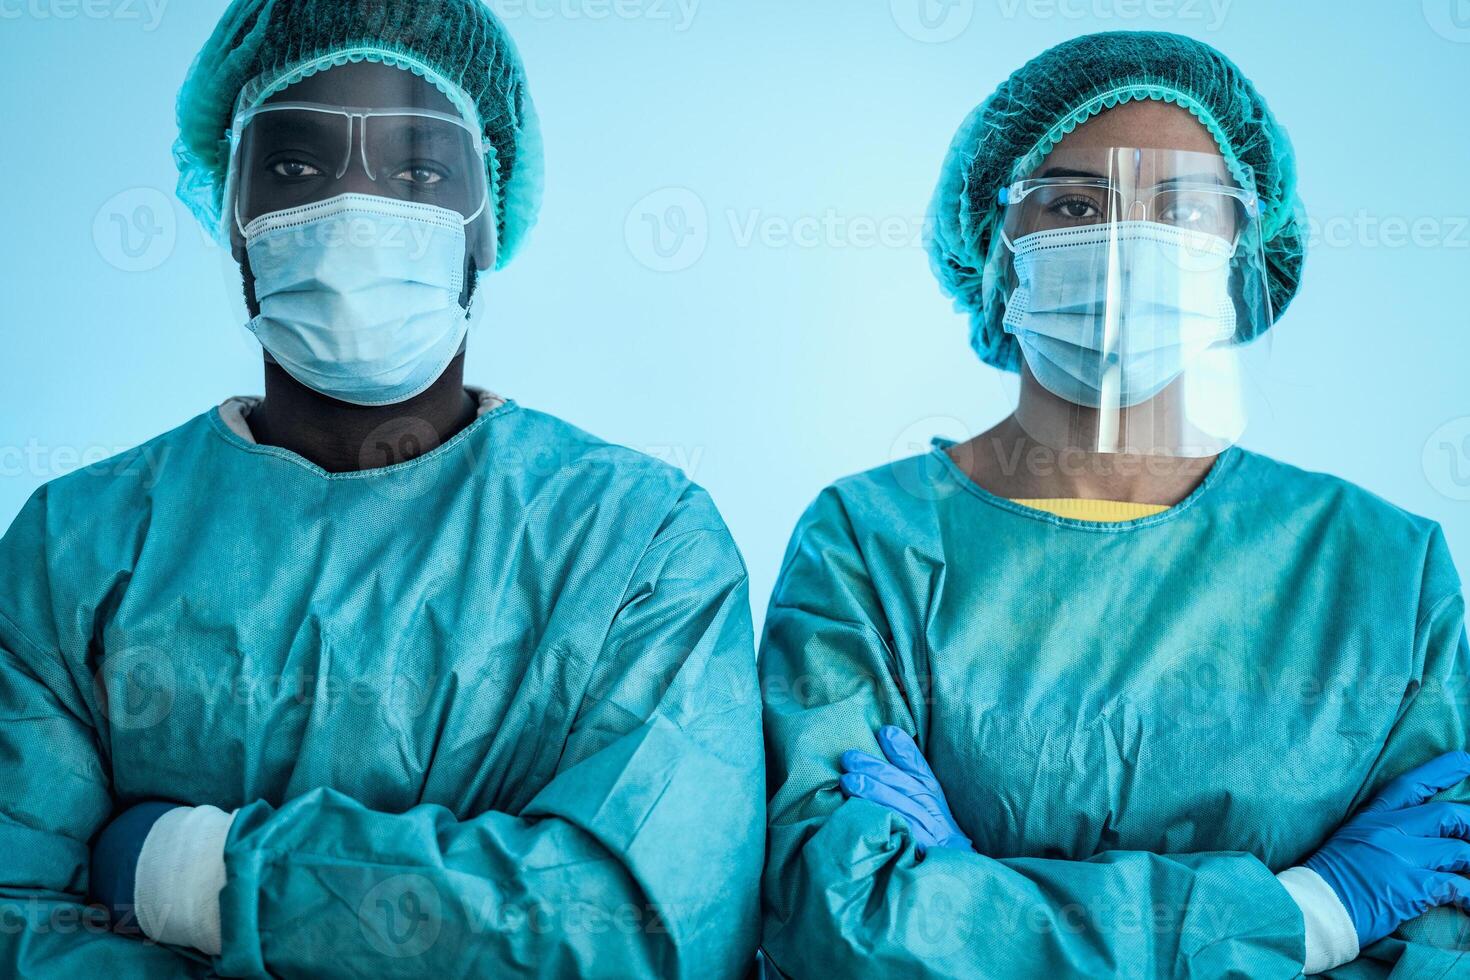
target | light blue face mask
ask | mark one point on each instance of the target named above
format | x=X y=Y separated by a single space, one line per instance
x=359 y=295
x=1122 y=308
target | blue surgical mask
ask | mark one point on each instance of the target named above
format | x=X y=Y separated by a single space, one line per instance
x=359 y=295
x=1127 y=307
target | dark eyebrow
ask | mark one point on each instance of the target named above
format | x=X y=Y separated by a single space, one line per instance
x=1064 y=172
x=416 y=134
x=1193 y=179
x=278 y=124
x=1182 y=179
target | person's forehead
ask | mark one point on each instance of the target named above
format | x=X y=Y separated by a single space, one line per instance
x=1159 y=126
x=1151 y=166
x=367 y=84
x=1143 y=124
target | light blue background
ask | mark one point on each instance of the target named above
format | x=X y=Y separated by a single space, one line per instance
x=788 y=355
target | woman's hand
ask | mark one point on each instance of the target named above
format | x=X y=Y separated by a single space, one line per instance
x=906 y=785
x=1400 y=856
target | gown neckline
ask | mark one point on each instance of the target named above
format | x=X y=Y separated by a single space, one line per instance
x=1224 y=463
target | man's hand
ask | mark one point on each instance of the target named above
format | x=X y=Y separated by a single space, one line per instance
x=115 y=854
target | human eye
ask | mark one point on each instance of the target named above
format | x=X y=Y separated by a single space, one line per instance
x=1075 y=208
x=421 y=175
x=294 y=169
x=1191 y=211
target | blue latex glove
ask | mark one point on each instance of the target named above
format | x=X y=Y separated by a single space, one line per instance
x=1397 y=858
x=906 y=785
x=115 y=862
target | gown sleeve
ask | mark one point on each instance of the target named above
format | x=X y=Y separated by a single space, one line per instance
x=55 y=792
x=641 y=857
x=1433 y=719
x=845 y=893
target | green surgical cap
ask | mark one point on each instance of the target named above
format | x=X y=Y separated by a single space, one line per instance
x=1012 y=131
x=260 y=46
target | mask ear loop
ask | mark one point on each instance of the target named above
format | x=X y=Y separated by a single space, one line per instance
x=484 y=204
x=475 y=311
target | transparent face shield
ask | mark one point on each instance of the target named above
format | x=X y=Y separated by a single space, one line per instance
x=290 y=154
x=1137 y=279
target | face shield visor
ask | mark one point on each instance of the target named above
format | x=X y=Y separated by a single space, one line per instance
x=1137 y=282
x=291 y=154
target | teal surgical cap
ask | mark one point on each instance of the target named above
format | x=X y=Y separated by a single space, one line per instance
x=1012 y=132
x=261 y=46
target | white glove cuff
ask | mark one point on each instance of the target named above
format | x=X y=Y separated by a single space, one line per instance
x=1331 y=938
x=181 y=871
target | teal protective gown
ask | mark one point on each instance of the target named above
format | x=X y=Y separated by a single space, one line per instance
x=1137 y=724
x=490 y=712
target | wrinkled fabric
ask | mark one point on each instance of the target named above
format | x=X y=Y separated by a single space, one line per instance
x=488 y=712
x=1137 y=723
x=1013 y=130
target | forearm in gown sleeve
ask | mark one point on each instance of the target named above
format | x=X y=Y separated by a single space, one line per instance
x=1433 y=720
x=641 y=857
x=54 y=797
x=846 y=894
